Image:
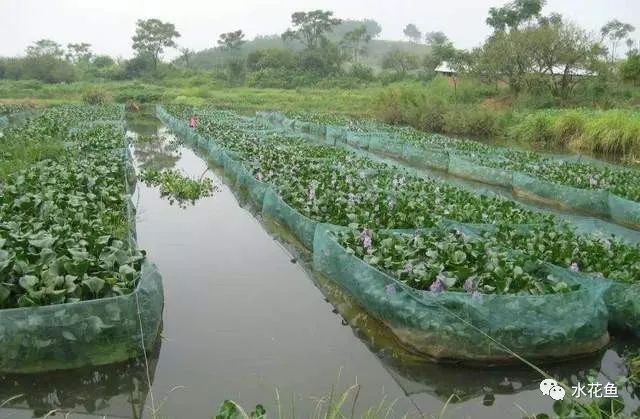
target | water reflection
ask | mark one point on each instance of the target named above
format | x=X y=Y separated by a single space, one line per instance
x=154 y=152
x=456 y=383
x=117 y=390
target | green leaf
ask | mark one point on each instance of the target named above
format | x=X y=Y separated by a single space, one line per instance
x=28 y=282
x=94 y=284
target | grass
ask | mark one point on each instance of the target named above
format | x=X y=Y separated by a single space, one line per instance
x=468 y=109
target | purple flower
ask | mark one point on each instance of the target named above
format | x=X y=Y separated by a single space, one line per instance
x=469 y=285
x=437 y=286
x=574 y=267
x=593 y=181
x=259 y=176
x=365 y=236
x=408 y=268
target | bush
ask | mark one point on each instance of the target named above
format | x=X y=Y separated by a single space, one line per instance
x=568 y=127
x=362 y=72
x=613 y=132
x=96 y=97
x=471 y=120
x=535 y=129
x=140 y=93
x=277 y=78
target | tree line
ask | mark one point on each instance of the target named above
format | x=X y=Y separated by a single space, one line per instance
x=527 y=51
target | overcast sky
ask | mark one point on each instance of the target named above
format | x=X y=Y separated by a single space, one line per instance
x=109 y=24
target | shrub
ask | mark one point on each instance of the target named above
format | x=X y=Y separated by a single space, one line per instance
x=614 y=132
x=536 y=128
x=470 y=120
x=568 y=127
x=361 y=72
x=96 y=97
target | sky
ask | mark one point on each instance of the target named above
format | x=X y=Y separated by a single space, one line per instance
x=109 y=24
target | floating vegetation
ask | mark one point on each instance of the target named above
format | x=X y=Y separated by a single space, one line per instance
x=177 y=187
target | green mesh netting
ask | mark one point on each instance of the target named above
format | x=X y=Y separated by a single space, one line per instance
x=72 y=335
x=255 y=189
x=469 y=170
x=624 y=211
x=587 y=201
x=383 y=144
x=275 y=209
x=453 y=325
x=336 y=134
x=357 y=140
x=428 y=158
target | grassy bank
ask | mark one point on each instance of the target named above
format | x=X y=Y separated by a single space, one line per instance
x=467 y=109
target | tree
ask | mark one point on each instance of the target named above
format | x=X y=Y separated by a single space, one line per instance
x=355 y=42
x=310 y=27
x=504 y=57
x=440 y=49
x=45 y=47
x=512 y=15
x=561 y=55
x=152 y=37
x=631 y=48
x=77 y=53
x=412 y=32
x=231 y=41
x=616 y=31
x=185 y=56
x=279 y=58
x=373 y=28
x=323 y=61
x=103 y=61
x=630 y=70
x=400 y=61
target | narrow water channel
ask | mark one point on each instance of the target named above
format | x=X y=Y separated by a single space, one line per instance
x=245 y=317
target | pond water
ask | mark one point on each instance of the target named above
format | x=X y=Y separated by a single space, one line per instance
x=245 y=317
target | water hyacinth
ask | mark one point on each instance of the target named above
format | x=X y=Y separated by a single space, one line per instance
x=438 y=285
x=408 y=268
x=366 y=239
x=312 y=190
x=574 y=267
x=461 y=264
x=470 y=285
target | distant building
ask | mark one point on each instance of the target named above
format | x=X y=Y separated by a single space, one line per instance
x=445 y=69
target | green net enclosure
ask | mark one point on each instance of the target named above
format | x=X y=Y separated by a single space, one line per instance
x=624 y=211
x=467 y=169
x=255 y=189
x=457 y=326
x=72 y=335
x=429 y=158
x=587 y=201
x=275 y=209
x=383 y=144
x=89 y=332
